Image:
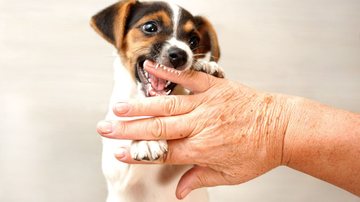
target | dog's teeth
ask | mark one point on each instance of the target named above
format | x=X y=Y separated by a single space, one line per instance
x=157 y=66
x=168 y=83
x=150 y=87
x=168 y=92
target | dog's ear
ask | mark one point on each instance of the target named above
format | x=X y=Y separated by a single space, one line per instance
x=209 y=40
x=110 y=23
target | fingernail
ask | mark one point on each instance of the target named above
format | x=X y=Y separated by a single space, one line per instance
x=122 y=107
x=105 y=127
x=120 y=153
x=184 y=193
x=149 y=63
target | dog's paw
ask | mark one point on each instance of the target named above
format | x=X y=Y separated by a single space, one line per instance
x=148 y=150
x=211 y=68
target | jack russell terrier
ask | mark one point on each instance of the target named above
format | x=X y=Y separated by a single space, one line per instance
x=170 y=36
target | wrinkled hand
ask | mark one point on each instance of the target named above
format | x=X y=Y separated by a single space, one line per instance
x=231 y=133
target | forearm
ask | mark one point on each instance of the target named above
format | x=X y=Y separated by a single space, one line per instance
x=324 y=142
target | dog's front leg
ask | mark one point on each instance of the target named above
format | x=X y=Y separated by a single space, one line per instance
x=114 y=171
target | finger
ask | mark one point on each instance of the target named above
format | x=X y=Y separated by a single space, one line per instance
x=157 y=106
x=155 y=128
x=193 y=80
x=178 y=154
x=197 y=177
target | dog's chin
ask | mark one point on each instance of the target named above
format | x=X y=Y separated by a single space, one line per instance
x=152 y=85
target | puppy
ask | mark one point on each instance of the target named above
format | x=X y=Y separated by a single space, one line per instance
x=167 y=35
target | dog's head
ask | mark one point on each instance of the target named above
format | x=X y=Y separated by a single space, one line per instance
x=158 y=31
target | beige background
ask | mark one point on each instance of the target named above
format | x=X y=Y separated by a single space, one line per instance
x=55 y=81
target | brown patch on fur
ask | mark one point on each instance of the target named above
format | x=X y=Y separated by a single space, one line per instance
x=189 y=25
x=135 y=44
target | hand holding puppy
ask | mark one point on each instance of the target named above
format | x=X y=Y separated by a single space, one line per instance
x=218 y=128
x=232 y=133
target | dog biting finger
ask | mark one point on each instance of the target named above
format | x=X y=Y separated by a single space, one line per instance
x=190 y=79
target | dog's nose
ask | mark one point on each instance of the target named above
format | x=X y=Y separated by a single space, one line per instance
x=177 y=57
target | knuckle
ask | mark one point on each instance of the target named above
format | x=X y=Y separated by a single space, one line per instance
x=170 y=105
x=122 y=128
x=158 y=129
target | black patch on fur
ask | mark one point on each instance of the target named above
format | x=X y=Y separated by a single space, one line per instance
x=104 y=21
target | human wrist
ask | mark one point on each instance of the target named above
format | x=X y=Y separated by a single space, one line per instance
x=305 y=116
x=277 y=111
x=322 y=141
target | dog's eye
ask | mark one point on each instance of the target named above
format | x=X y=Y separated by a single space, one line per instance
x=194 y=42
x=150 y=27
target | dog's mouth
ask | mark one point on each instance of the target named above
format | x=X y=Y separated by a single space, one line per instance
x=152 y=85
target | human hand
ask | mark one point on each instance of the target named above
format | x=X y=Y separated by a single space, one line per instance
x=230 y=132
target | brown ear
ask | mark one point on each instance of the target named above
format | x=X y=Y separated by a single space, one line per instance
x=209 y=38
x=110 y=23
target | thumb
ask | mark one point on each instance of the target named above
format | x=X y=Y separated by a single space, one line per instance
x=195 y=81
x=198 y=177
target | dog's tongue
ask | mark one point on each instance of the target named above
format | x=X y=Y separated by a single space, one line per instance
x=157 y=83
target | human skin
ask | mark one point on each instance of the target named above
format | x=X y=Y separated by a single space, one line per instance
x=232 y=133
